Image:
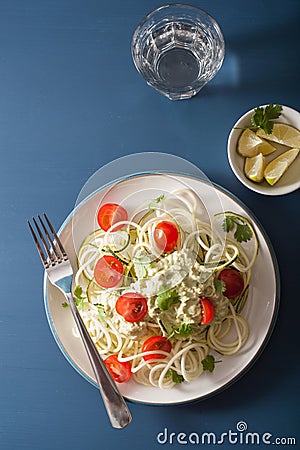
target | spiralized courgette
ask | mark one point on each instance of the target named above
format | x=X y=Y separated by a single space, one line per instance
x=212 y=250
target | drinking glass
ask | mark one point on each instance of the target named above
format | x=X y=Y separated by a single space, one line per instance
x=178 y=48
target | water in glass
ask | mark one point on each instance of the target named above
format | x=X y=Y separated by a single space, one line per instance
x=178 y=56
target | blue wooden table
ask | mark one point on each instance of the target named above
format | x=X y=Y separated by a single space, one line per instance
x=72 y=101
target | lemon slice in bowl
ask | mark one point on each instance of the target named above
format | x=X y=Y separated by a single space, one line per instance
x=249 y=144
x=278 y=166
x=282 y=133
x=254 y=168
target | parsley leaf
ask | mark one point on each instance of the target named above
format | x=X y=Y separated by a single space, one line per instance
x=243 y=232
x=166 y=299
x=263 y=117
x=228 y=224
x=78 y=291
x=78 y=297
x=176 y=377
x=273 y=111
x=64 y=305
x=154 y=203
x=184 y=330
x=208 y=363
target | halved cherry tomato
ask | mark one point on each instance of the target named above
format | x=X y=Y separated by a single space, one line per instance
x=234 y=282
x=119 y=370
x=156 y=343
x=109 y=214
x=108 y=271
x=132 y=306
x=207 y=311
x=166 y=235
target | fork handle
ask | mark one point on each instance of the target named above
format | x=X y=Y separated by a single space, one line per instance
x=115 y=404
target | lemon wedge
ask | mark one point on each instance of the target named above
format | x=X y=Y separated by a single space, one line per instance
x=278 y=166
x=283 y=134
x=250 y=144
x=254 y=168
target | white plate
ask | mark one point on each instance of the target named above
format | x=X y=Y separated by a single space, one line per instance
x=290 y=181
x=260 y=311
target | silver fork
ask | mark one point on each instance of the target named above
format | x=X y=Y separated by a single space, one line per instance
x=59 y=271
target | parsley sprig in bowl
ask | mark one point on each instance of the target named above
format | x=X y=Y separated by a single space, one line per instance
x=256 y=140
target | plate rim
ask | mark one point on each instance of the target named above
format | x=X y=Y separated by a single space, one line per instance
x=269 y=331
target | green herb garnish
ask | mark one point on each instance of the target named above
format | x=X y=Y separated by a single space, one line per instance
x=263 y=117
x=208 y=363
x=184 y=330
x=78 y=297
x=243 y=232
x=78 y=291
x=176 y=377
x=166 y=299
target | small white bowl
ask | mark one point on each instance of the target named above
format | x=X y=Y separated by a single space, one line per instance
x=290 y=181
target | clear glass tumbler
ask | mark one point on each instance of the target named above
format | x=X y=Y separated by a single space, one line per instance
x=177 y=49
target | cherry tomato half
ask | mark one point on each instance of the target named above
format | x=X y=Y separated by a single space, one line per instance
x=166 y=235
x=234 y=282
x=132 y=306
x=108 y=271
x=109 y=214
x=207 y=311
x=156 y=343
x=119 y=370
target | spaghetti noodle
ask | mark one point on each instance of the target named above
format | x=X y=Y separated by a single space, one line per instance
x=174 y=284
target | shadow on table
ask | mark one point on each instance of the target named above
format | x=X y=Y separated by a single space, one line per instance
x=250 y=60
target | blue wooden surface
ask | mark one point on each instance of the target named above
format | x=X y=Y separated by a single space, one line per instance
x=70 y=102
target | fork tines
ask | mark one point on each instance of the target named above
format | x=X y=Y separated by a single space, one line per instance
x=54 y=252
